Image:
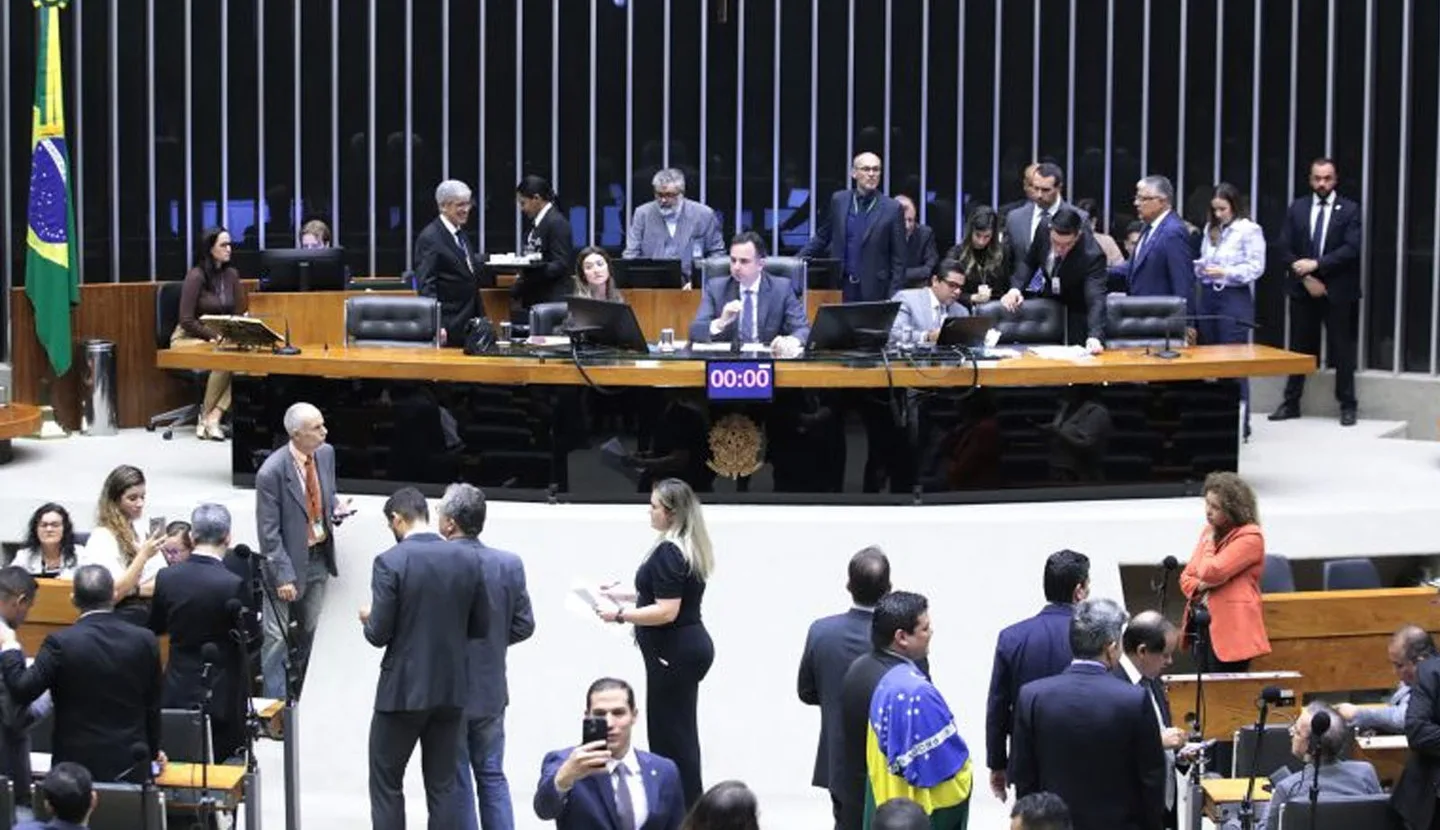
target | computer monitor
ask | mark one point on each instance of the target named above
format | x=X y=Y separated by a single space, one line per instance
x=968 y=332
x=852 y=327
x=603 y=323
x=302 y=269
x=647 y=273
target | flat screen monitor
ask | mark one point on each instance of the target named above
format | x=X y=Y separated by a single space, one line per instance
x=968 y=332
x=647 y=273
x=852 y=327
x=605 y=324
x=302 y=269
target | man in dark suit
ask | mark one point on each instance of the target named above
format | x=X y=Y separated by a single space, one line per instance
x=750 y=306
x=1027 y=226
x=69 y=792
x=550 y=237
x=865 y=231
x=17 y=594
x=831 y=645
x=296 y=510
x=921 y=255
x=427 y=602
x=199 y=602
x=1090 y=738
x=1066 y=264
x=104 y=675
x=609 y=784
x=1040 y=811
x=1164 y=261
x=1320 y=246
x=482 y=743
x=1029 y=650
x=899 y=633
x=1149 y=646
x=444 y=262
x=1414 y=796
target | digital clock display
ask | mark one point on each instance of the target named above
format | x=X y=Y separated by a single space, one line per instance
x=740 y=380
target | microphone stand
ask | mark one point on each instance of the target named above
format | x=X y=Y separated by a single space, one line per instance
x=1315 y=779
x=1247 y=804
x=147 y=781
x=290 y=716
x=252 y=724
x=205 y=811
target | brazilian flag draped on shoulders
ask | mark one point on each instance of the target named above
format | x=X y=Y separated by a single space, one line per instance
x=914 y=750
x=50 y=259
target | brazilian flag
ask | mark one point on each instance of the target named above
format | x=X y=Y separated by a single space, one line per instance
x=913 y=750
x=50 y=259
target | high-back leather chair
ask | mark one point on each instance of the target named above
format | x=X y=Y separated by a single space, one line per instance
x=1144 y=322
x=1338 y=814
x=790 y=267
x=547 y=318
x=1037 y=320
x=383 y=320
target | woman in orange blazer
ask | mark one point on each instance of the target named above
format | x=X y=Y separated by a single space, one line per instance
x=1223 y=576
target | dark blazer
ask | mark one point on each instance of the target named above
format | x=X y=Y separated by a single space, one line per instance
x=831 y=645
x=1028 y=650
x=280 y=514
x=1414 y=794
x=1165 y=264
x=856 y=689
x=882 y=249
x=427 y=602
x=777 y=310
x=1083 y=281
x=104 y=676
x=553 y=240
x=1339 y=262
x=1022 y=242
x=510 y=621
x=1085 y=714
x=921 y=256
x=441 y=271
x=590 y=804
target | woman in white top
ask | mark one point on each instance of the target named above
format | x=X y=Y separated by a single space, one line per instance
x=50 y=549
x=123 y=550
x=1232 y=258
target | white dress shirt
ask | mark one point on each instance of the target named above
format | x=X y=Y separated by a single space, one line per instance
x=103 y=549
x=1134 y=675
x=634 y=779
x=753 y=334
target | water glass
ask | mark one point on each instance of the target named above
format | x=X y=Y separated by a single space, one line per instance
x=504 y=338
x=667 y=340
x=907 y=338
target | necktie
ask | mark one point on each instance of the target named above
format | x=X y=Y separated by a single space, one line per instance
x=464 y=249
x=624 y=804
x=747 y=316
x=312 y=497
x=1317 y=235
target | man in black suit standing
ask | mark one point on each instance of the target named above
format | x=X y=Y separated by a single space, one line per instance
x=866 y=232
x=1320 y=246
x=198 y=603
x=427 y=602
x=1414 y=797
x=1090 y=738
x=482 y=742
x=1149 y=646
x=921 y=255
x=831 y=645
x=104 y=675
x=551 y=237
x=17 y=594
x=1066 y=264
x=444 y=263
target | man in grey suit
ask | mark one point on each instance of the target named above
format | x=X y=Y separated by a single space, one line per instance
x=831 y=645
x=1408 y=648
x=750 y=306
x=296 y=510
x=428 y=601
x=924 y=309
x=482 y=742
x=1338 y=779
x=673 y=227
x=1030 y=221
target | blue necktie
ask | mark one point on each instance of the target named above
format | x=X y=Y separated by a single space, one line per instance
x=624 y=802
x=747 y=316
x=464 y=249
x=1317 y=236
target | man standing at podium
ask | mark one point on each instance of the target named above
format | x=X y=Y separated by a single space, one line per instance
x=673 y=227
x=865 y=230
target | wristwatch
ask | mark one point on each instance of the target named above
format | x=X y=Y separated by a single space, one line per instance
x=620 y=614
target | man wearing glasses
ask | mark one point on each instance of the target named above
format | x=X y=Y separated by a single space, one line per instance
x=1164 y=261
x=673 y=227
x=866 y=232
x=444 y=266
x=923 y=310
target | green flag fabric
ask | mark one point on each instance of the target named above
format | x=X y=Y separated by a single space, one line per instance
x=50 y=259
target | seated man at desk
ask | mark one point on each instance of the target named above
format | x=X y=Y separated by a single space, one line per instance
x=750 y=306
x=924 y=309
x=673 y=227
x=1409 y=647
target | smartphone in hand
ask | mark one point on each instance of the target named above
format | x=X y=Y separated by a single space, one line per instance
x=157 y=525
x=592 y=730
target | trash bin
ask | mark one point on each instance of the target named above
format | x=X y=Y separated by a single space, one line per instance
x=100 y=415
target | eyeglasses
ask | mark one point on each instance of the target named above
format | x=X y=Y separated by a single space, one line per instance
x=958 y=286
x=869 y=168
x=50 y=525
x=1141 y=198
x=661 y=194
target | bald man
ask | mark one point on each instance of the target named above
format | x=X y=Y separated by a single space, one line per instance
x=1408 y=648
x=865 y=230
x=1149 y=645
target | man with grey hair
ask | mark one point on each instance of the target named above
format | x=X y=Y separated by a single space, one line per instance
x=1089 y=737
x=296 y=511
x=1164 y=261
x=673 y=227
x=482 y=744
x=1408 y=648
x=199 y=602
x=444 y=266
x=1338 y=778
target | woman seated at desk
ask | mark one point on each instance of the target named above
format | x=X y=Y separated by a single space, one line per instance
x=314 y=235
x=212 y=286
x=50 y=550
x=592 y=276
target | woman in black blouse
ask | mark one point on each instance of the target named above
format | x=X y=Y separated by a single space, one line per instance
x=669 y=586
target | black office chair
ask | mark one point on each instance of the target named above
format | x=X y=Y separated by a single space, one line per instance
x=167 y=317
x=792 y=268
x=1037 y=320
x=117 y=808
x=714 y=266
x=183 y=738
x=1351 y=575
x=1278 y=577
x=547 y=318
x=1274 y=750
x=384 y=320
x=1144 y=322
x=1348 y=813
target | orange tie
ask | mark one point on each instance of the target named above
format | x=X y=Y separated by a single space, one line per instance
x=312 y=497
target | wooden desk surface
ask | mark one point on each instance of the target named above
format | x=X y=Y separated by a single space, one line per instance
x=1125 y=366
x=18 y=419
x=1220 y=791
x=1229 y=699
x=190 y=777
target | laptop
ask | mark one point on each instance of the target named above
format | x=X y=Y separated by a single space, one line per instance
x=965 y=332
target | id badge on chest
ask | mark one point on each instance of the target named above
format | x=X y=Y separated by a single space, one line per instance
x=317 y=530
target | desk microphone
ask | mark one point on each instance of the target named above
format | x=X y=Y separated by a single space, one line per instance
x=140 y=754
x=1167 y=353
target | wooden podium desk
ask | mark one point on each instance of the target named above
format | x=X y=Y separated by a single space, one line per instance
x=1221 y=791
x=52 y=611
x=1229 y=699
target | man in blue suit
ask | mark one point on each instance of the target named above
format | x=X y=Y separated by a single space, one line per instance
x=1090 y=737
x=610 y=785
x=1164 y=261
x=1029 y=650
x=865 y=230
x=831 y=645
x=427 y=602
x=750 y=306
x=482 y=742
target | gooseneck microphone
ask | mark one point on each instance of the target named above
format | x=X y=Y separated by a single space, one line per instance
x=1319 y=725
x=140 y=754
x=1161 y=584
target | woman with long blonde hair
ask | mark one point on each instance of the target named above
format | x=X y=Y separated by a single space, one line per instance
x=665 y=610
x=121 y=546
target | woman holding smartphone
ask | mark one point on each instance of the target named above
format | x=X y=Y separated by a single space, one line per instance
x=125 y=548
x=665 y=610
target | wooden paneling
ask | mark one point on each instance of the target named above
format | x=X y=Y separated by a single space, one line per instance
x=1333 y=663
x=1309 y=614
x=1229 y=702
x=52 y=611
x=18 y=419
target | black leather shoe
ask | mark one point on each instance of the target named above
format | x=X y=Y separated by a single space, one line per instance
x=1286 y=412
x=1347 y=417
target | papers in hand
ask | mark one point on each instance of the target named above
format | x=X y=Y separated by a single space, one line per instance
x=593 y=599
x=584 y=599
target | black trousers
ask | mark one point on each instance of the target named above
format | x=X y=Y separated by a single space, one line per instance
x=1307 y=315
x=676 y=660
x=393 y=736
